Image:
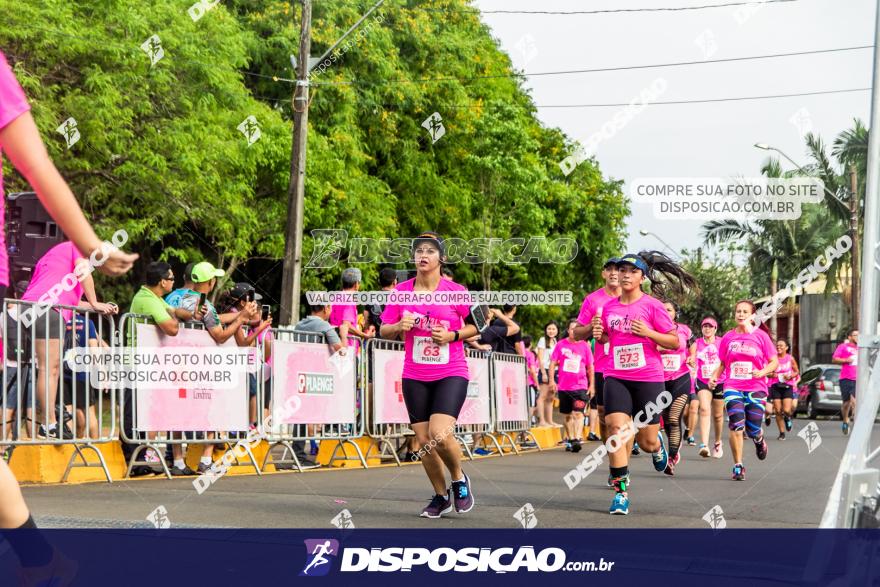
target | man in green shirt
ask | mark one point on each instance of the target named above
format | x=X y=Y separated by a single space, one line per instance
x=148 y=302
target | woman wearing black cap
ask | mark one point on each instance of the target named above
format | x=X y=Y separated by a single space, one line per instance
x=435 y=372
x=634 y=325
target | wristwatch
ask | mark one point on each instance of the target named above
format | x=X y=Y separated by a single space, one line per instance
x=456 y=336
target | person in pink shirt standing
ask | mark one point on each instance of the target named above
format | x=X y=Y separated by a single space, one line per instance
x=746 y=356
x=847 y=354
x=435 y=373
x=704 y=356
x=532 y=370
x=576 y=383
x=345 y=316
x=599 y=298
x=634 y=325
x=59 y=261
x=677 y=377
x=21 y=142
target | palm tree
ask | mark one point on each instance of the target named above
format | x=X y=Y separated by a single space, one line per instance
x=851 y=150
x=785 y=246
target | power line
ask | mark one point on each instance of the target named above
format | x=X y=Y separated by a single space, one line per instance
x=708 y=100
x=619 y=104
x=606 y=11
x=597 y=69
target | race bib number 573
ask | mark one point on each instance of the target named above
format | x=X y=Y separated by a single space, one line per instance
x=426 y=351
x=630 y=356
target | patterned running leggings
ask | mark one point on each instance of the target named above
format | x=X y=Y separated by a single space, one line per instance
x=745 y=410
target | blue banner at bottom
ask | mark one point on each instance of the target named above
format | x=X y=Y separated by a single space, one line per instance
x=436 y=557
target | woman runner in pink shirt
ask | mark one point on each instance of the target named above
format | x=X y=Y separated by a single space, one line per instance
x=746 y=356
x=21 y=141
x=634 y=325
x=677 y=376
x=704 y=356
x=435 y=373
x=782 y=389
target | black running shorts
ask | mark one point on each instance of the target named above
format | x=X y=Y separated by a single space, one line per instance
x=424 y=398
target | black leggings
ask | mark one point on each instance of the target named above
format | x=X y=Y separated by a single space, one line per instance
x=424 y=398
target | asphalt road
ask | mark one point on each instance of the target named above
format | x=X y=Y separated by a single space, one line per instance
x=789 y=489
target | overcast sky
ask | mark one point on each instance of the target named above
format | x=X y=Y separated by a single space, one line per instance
x=692 y=140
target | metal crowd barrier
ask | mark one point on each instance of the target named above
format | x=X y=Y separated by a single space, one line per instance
x=520 y=426
x=287 y=434
x=390 y=436
x=152 y=440
x=34 y=364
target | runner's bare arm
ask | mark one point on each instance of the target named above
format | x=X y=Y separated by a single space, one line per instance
x=583 y=331
x=770 y=368
x=668 y=341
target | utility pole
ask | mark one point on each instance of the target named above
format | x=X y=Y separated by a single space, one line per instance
x=854 y=228
x=291 y=279
x=292 y=268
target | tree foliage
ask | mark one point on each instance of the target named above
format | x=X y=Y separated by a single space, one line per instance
x=161 y=155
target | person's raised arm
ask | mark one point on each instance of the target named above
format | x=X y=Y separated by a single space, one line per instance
x=221 y=334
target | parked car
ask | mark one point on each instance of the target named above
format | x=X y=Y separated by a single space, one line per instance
x=819 y=390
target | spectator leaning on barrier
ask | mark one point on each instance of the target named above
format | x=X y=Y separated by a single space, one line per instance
x=54 y=267
x=242 y=296
x=503 y=333
x=204 y=276
x=345 y=316
x=176 y=296
x=148 y=302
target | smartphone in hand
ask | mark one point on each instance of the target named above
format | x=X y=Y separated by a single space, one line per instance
x=203 y=297
x=265 y=314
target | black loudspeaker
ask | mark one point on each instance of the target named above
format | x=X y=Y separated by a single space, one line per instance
x=30 y=233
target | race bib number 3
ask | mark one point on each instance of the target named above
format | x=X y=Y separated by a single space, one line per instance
x=671 y=362
x=741 y=370
x=427 y=352
x=630 y=356
x=572 y=365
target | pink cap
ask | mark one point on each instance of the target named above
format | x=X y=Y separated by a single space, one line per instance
x=709 y=321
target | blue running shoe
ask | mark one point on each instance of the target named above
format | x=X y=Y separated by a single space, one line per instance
x=462 y=495
x=619 y=505
x=636 y=451
x=661 y=457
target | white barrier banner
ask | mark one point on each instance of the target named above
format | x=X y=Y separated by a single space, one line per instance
x=511 y=391
x=324 y=382
x=199 y=406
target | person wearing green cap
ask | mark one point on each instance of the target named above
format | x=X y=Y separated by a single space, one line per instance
x=204 y=278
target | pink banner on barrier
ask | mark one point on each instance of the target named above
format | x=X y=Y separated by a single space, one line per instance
x=325 y=383
x=476 y=406
x=511 y=403
x=388 y=405
x=189 y=408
